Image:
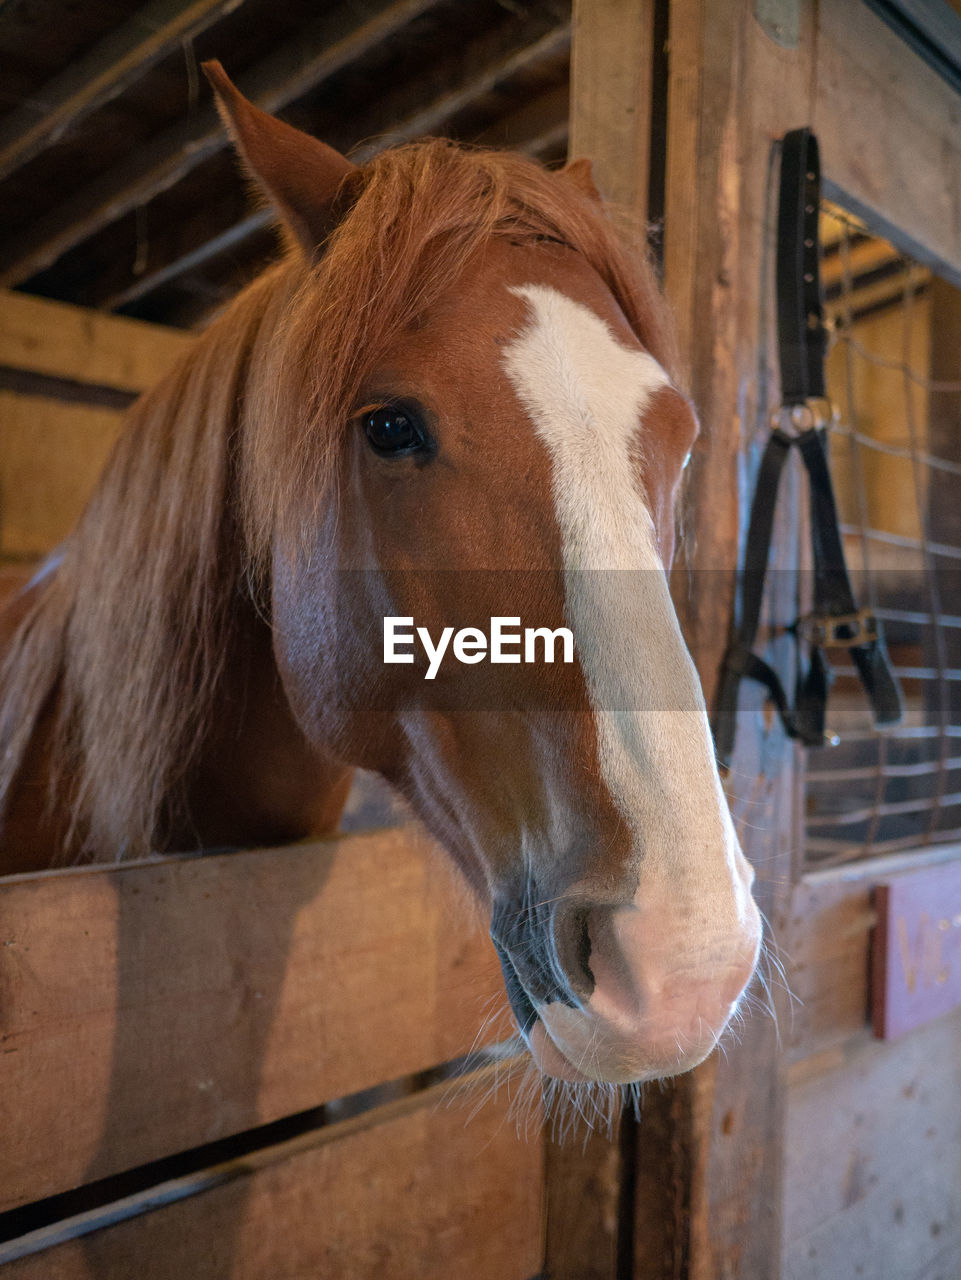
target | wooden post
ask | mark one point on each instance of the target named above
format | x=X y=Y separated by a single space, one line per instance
x=699 y=1178
x=611 y=61
x=589 y=1180
x=735 y=86
x=944 y=513
x=740 y=76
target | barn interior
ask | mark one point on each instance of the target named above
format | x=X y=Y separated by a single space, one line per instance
x=172 y=1072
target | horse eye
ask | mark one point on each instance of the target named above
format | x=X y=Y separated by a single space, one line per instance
x=394 y=431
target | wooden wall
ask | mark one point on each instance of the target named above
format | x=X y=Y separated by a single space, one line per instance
x=872 y=1137
x=156 y=1008
x=740 y=75
x=66 y=375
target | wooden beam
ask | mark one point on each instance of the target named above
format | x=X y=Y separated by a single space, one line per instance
x=103 y=73
x=583 y=1176
x=871 y=89
x=732 y=92
x=611 y=77
x=416 y=1188
x=393 y=121
x=231 y=238
x=340 y=37
x=50 y=457
x=65 y=341
x=591 y=1183
x=538 y=126
x=499 y=67
x=184 y=999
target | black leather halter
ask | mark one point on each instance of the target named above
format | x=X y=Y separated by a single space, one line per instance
x=835 y=620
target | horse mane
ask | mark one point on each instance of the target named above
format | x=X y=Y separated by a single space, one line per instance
x=232 y=454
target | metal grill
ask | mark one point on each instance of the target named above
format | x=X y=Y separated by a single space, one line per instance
x=894 y=373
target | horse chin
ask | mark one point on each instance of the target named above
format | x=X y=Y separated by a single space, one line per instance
x=615 y=1062
x=549 y=1059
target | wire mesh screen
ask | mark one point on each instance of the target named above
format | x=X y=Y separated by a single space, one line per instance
x=894 y=373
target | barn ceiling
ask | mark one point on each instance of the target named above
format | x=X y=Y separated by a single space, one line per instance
x=117 y=188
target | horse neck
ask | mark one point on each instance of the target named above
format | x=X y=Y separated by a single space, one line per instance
x=256 y=780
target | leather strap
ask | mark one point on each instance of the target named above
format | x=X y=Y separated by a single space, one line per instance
x=835 y=619
x=802 y=341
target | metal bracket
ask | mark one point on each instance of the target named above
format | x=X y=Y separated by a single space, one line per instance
x=838 y=631
x=780 y=21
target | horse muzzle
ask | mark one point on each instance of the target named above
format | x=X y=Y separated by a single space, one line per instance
x=628 y=992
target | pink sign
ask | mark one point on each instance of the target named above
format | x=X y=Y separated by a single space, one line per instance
x=916 y=949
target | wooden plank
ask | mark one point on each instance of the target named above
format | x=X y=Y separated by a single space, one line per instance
x=828 y=940
x=50 y=457
x=13 y=578
x=399 y=117
x=871 y=89
x=916 y=948
x=411 y=1192
x=337 y=38
x=103 y=72
x=827 y=934
x=583 y=1179
x=179 y=1000
x=64 y=341
x=611 y=73
x=872 y=1150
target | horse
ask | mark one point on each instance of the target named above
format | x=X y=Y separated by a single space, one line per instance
x=455 y=394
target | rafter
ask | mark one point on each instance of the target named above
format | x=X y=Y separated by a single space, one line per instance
x=341 y=36
x=104 y=72
x=535 y=128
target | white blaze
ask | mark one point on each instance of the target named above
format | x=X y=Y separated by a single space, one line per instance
x=587 y=394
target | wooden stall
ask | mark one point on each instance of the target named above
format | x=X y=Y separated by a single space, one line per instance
x=294 y=1001
x=259 y=1064
x=808 y=1154
x=808 y=1149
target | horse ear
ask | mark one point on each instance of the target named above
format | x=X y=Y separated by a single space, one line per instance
x=578 y=173
x=302 y=176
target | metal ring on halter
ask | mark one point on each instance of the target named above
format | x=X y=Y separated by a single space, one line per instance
x=795 y=419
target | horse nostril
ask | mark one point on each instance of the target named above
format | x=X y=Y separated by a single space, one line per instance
x=544 y=949
x=520 y=1001
x=571 y=937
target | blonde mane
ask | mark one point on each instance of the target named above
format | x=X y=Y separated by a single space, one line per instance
x=233 y=452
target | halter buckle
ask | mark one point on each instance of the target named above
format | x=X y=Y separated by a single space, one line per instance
x=814 y=414
x=838 y=631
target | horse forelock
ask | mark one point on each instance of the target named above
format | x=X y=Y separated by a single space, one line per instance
x=421 y=213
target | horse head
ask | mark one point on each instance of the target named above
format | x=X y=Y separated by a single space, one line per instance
x=479 y=387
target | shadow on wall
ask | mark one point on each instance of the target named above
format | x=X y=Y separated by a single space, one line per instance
x=201 y=964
